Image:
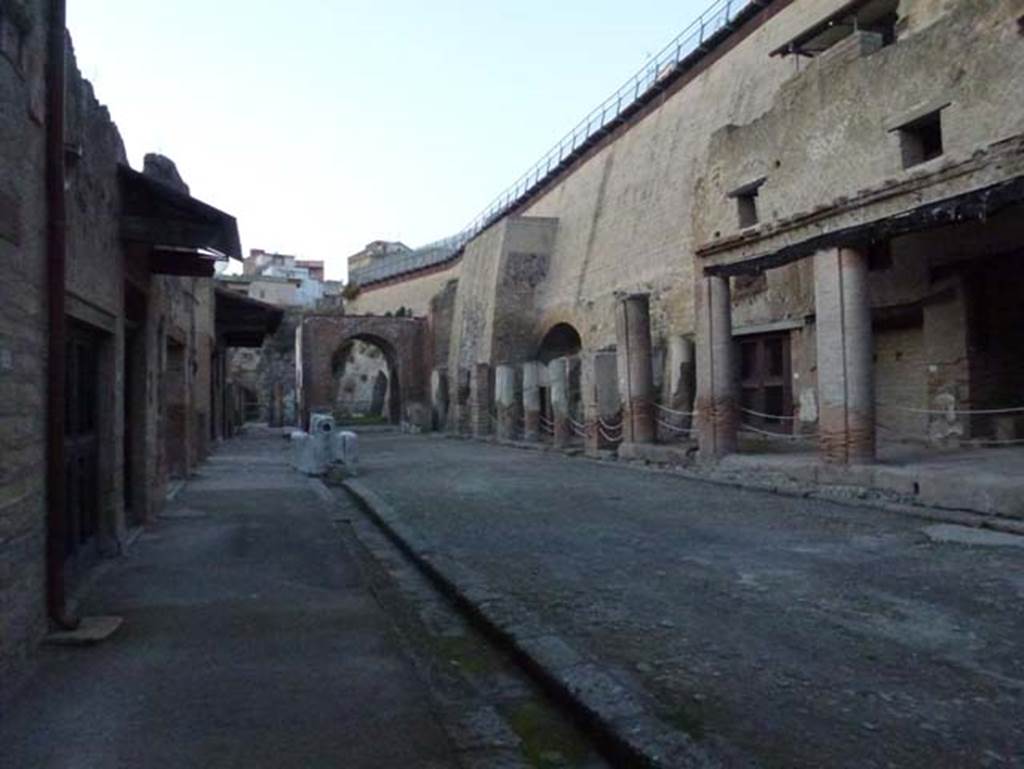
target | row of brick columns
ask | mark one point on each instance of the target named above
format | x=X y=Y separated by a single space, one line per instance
x=608 y=380
x=846 y=424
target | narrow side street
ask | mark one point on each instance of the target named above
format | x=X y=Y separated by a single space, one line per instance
x=249 y=640
x=805 y=633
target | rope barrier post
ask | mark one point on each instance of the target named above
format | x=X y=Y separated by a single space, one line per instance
x=505 y=401
x=679 y=384
x=599 y=381
x=558 y=381
x=462 y=418
x=480 y=399
x=531 y=401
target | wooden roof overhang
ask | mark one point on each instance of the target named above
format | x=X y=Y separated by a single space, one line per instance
x=244 y=322
x=183 y=236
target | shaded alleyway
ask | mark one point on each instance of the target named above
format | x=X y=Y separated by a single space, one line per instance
x=250 y=639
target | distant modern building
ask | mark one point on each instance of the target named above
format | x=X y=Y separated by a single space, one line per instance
x=282 y=280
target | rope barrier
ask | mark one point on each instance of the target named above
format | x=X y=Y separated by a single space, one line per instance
x=1016 y=410
x=778 y=436
x=609 y=438
x=768 y=416
x=610 y=427
x=675 y=429
x=667 y=410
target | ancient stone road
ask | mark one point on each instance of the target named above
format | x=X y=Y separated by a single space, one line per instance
x=250 y=640
x=805 y=633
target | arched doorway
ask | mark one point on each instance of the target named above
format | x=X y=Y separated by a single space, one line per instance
x=366 y=380
x=561 y=341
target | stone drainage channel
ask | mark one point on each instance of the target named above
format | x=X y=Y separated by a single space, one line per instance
x=496 y=715
x=621 y=727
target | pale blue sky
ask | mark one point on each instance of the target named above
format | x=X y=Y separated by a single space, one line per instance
x=324 y=124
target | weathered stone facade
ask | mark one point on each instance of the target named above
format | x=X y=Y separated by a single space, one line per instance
x=712 y=199
x=143 y=391
x=23 y=332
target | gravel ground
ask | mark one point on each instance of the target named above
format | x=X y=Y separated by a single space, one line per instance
x=806 y=633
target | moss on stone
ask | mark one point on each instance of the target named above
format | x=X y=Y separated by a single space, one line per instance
x=548 y=740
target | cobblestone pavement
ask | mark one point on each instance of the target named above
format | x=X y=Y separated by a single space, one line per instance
x=806 y=633
x=250 y=639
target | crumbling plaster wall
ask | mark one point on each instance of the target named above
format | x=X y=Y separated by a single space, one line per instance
x=23 y=334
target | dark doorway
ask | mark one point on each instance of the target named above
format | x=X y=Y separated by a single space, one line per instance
x=81 y=447
x=176 y=429
x=561 y=341
x=134 y=402
x=765 y=382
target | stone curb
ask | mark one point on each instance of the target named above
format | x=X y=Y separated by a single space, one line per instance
x=790 y=488
x=620 y=718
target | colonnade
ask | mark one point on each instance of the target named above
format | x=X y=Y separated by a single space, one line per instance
x=618 y=404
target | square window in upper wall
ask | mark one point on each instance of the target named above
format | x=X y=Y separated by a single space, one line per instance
x=921 y=140
x=746 y=203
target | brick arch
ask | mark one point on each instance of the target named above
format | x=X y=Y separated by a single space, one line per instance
x=402 y=341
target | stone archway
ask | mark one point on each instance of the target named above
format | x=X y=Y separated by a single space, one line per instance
x=402 y=340
x=366 y=374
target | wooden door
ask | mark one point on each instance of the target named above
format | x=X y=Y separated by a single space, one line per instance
x=81 y=444
x=766 y=382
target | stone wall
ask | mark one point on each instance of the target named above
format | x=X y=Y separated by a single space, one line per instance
x=23 y=334
x=270 y=373
x=413 y=294
x=655 y=202
x=361 y=372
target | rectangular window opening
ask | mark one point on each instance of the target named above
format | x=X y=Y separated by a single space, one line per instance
x=746 y=203
x=921 y=140
x=746 y=208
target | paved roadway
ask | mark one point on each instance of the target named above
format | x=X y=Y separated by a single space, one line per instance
x=806 y=633
x=250 y=640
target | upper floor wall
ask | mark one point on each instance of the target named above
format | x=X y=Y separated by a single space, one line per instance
x=867 y=117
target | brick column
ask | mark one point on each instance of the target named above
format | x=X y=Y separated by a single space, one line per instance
x=600 y=385
x=636 y=376
x=505 y=402
x=846 y=421
x=531 y=401
x=480 y=399
x=717 y=386
x=558 y=381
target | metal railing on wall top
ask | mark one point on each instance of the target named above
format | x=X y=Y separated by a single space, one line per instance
x=692 y=40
